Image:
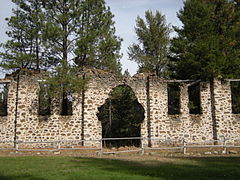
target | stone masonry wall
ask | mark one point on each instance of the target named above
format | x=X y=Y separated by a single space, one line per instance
x=192 y=128
x=6 y=122
x=151 y=93
x=98 y=90
x=228 y=124
x=30 y=126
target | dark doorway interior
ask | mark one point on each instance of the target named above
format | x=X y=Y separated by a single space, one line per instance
x=121 y=116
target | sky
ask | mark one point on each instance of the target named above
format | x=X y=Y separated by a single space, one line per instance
x=125 y=12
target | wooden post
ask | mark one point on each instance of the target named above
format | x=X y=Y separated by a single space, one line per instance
x=224 y=145
x=16 y=143
x=184 y=147
x=142 y=146
x=58 y=145
x=100 y=147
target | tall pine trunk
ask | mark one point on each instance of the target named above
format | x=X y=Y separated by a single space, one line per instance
x=148 y=111
x=213 y=110
x=37 y=54
x=110 y=117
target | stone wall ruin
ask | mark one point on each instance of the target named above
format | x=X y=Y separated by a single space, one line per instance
x=23 y=123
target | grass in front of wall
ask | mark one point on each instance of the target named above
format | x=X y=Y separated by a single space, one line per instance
x=43 y=168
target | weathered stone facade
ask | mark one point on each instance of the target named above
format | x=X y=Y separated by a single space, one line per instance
x=26 y=125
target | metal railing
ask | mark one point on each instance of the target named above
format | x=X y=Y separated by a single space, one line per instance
x=97 y=145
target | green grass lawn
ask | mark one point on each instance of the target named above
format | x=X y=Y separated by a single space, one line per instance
x=57 y=168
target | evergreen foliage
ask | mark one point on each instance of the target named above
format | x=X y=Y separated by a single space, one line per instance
x=82 y=32
x=65 y=79
x=62 y=37
x=76 y=34
x=97 y=45
x=24 y=49
x=208 y=44
x=48 y=33
x=152 y=50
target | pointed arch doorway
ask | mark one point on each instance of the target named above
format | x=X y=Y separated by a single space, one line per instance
x=121 y=116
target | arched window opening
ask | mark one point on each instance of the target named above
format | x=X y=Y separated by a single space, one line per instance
x=194 y=99
x=67 y=100
x=44 y=100
x=235 y=93
x=3 y=99
x=173 y=99
x=121 y=116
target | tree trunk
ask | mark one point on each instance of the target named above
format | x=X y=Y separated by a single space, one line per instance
x=148 y=111
x=65 y=45
x=37 y=53
x=16 y=111
x=110 y=118
x=213 y=110
x=83 y=110
x=37 y=38
x=65 y=36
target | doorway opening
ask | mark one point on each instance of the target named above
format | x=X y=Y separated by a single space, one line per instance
x=121 y=116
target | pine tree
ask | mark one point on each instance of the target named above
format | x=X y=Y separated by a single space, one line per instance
x=23 y=50
x=46 y=33
x=97 y=45
x=79 y=34
x=63 y=36
x=208 y=44
x=152 y=50
x=59 y=39
x=60 y=28
x=83 y=32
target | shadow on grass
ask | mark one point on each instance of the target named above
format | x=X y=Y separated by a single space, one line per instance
x=61 y=168
x=22 y=176
x=185 y=168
